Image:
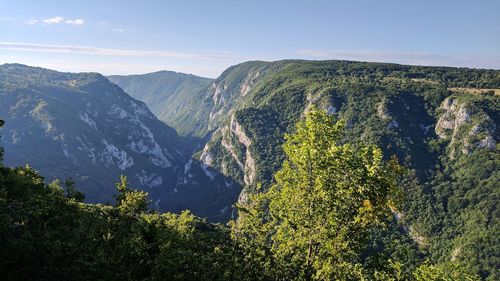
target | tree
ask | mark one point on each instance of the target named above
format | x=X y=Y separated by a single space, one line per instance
x=130 y=201
x=315 y=219
x=71 y=191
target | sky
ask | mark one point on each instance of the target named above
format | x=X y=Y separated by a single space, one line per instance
x=205 y=37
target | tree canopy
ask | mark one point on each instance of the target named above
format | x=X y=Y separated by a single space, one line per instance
x=326 y=197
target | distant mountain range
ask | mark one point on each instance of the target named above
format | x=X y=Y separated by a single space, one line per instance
x=441 y=123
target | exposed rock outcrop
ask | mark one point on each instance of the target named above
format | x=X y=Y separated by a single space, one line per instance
x=465 y=128
x=237 y=130
x=383 y=113
x=454 y=116
x=236 y=144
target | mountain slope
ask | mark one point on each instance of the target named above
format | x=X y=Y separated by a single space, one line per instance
x=440 y=122
x=168 y=94
x=85 y=127
x=382 y=103
x=192 y=105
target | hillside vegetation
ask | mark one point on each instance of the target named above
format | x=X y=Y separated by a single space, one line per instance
x=447 y=139
x=321 y=234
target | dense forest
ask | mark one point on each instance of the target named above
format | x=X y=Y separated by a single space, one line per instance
x=318 y=221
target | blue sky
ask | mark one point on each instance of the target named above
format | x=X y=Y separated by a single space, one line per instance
x=205 y=37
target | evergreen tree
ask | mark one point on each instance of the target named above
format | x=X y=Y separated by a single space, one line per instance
x=71 y=191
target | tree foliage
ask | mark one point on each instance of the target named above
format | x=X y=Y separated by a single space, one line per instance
x=326 y=198
x=46 y=235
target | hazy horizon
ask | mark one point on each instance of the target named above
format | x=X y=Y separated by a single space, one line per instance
x=168 y=70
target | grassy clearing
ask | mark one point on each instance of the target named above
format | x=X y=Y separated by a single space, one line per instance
x=474 y=91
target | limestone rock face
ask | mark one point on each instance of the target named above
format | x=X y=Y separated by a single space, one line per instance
x=465 y=127
x=454 y=116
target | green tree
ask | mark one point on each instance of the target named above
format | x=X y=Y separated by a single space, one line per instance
x=316 y=218
x=130 y=201
x=71 y=191
x=448 y=271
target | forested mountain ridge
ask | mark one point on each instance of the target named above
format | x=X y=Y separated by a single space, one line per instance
x=84 y=127
x=440 y=122
x=285 y=89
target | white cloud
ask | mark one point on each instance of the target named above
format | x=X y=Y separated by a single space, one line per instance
x=76 y=22
x=119 y=30
x=56 y=20
x=32 y=47
x=412 y=58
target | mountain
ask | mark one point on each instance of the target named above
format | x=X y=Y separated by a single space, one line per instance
x=84 y=127
x=397 y=107
x=441 y=123
x=168 y=94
